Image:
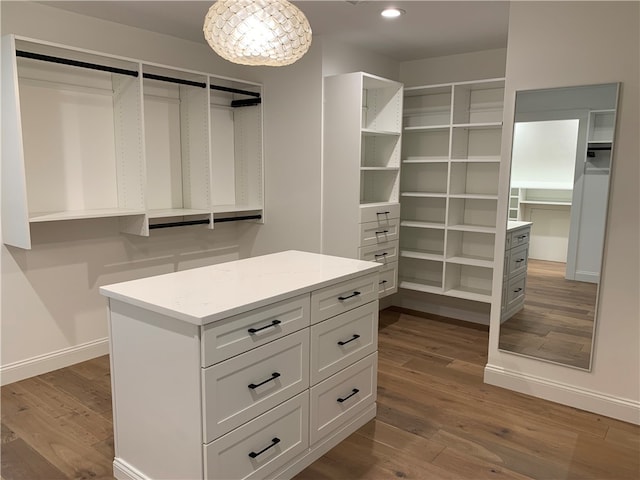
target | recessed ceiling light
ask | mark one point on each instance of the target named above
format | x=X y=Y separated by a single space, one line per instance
x=392 y=12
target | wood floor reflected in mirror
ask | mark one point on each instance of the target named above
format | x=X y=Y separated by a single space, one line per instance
x=556 y=323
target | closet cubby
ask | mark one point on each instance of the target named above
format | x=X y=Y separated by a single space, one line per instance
x=427 y=178
x=421 y=275
x=449 y=186
x=92 y=135
x=361 y=166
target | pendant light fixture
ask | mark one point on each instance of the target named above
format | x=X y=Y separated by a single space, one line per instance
x=257 y=32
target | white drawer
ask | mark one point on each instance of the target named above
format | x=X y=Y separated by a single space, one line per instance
x=260 y=447
x=515 y=290
x=237 y=334
x=245 y=386
x=372 y=233
x=380 y=212
x=381 y=253
x=339 y=341
x=342 y=297
x=518 y=260
x=388 y=282
x=520 y=236
x=341 y=397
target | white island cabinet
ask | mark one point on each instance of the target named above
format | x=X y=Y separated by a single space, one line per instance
x=248 y=369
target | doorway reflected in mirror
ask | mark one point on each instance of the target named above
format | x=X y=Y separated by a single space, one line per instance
x=559 y=189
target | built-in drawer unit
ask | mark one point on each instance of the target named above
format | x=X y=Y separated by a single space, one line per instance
x=516 y=259
x=238 y=389
x=341 y=340
x=342 y=297
x=380 y=214
x=515 y=290
x=372 y=233
x=229 y=337
x=263 y=445
x=381 y=253
x=342 y=396
x=388 y=282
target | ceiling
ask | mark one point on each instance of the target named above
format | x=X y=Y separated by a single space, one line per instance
x=428 y=29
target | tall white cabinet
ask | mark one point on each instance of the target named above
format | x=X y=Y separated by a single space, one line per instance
x=449 y=188
x=361 y=171
x=92 y=135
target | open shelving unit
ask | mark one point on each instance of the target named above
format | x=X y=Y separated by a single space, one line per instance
x=361 y=170
x=449 y=188
x=92 y=135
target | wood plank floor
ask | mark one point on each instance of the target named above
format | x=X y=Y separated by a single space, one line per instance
x=556 y=322
x=436 y=420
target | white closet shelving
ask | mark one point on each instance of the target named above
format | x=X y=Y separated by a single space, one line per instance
x=449 y=187
x=361 y=170
x=92 y=135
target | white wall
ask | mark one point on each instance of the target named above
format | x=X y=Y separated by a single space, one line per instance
x=51 y=312
x=556 y=44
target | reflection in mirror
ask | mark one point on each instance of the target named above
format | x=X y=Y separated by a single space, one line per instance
x=559 y=189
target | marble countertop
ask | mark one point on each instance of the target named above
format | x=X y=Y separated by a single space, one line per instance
x=512 y=224
x=206 y=294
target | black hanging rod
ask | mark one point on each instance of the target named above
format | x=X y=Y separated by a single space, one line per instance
x=134 y=73
x=75 y=63
x=249 y=102
x=234 y=90
x=187 y=223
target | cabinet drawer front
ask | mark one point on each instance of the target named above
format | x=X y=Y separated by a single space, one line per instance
x=380 y=213
x=341 y=397
x=518 y=259
x=388 y=282
x=261 y=446
x=383 y=253
x=338 y=342
x=245 y=386
x=520 y=237
x=342 y=297
x=237 y=334
x=515 y=289
x=372 y=233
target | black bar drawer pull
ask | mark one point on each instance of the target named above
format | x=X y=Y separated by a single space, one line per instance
x=383 y=213
x=274 y=442
x=382 y=231
x=520 y=237
x=253 y=386
x=382 y=282
x=355 y=337
x=517 y=290
x=520 y=260
x=376 y=255
x=354 y=294
x=272 y=324
x=353 y=392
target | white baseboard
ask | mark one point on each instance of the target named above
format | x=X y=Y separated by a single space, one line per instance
x=584 y=399
x=48 y=362
x=123 y=471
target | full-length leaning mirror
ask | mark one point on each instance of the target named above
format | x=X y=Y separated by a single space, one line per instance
x=559 y=190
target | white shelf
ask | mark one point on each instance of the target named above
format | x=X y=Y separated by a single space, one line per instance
x=175 y=212
x=541 y=202
x=236 y=208
x=419 y=160
x=82 y=214
x=422 y=255
x=423 y=195
x=472 y=228
x=418 y=286
x=414 y=224
x=486 y=159
x=477 y=295
x=474 y=261
x=477 y=196
x=426 y=128
x=379 y=133
x=478 y=126
x=379 y=169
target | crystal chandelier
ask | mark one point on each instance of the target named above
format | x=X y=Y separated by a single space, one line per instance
x=257 y=32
